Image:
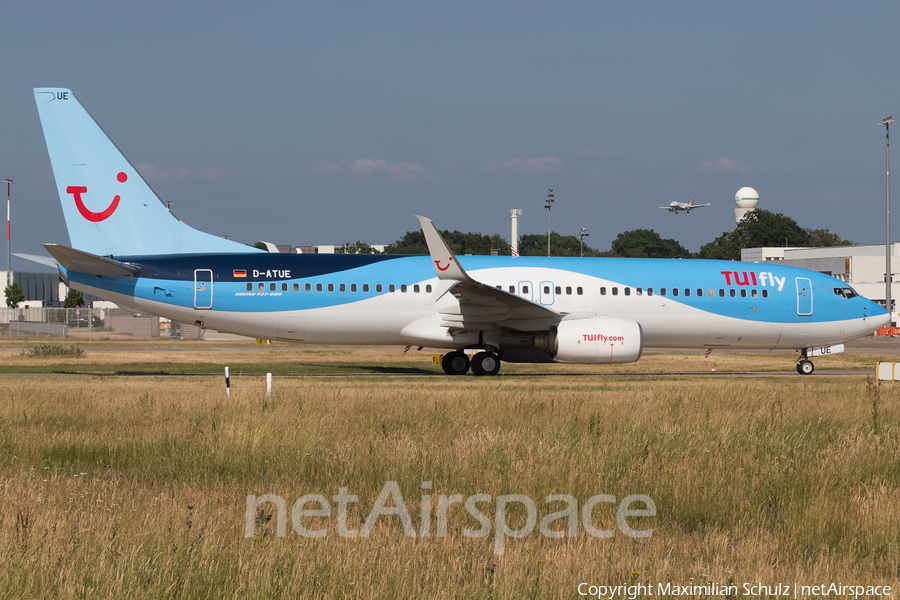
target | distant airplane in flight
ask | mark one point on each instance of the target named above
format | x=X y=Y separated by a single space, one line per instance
x=687 y=207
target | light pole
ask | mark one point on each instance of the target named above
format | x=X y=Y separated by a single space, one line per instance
x=548 y=203
x=583 y=235
x=8 y=271
x=887 y=246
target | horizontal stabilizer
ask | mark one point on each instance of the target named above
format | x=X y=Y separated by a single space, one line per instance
x=36 y=258
x=84 y=262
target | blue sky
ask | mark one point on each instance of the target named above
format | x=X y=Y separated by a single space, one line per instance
x=322 y=123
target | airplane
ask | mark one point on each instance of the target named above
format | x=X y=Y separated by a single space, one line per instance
x=687 y=207
x=125 y=246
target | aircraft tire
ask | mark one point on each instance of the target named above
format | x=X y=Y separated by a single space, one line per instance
x=486 y=363
x=455 y=363
x=805 y=367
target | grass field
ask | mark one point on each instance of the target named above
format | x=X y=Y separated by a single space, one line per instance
x=137 y=487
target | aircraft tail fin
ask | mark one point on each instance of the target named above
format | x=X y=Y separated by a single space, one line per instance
x=691 y=202
x=108 y=207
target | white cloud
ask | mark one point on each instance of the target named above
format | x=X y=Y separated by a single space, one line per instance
x=726 y=165
x=597 y=153
x=531 y=166
x=153 y=173
x=364 y=167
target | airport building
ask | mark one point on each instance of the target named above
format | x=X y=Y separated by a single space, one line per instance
x=860 y=266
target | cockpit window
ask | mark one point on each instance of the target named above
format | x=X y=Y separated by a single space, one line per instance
x=845 y=292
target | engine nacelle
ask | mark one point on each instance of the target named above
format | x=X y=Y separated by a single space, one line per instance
x=598 y=340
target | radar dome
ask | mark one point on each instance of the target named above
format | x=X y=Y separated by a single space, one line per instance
x=746 y=197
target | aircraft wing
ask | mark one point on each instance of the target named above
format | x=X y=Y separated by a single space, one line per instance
x=480 y=306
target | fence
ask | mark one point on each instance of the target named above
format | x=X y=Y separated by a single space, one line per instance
x=22 y=322
x=17 y=322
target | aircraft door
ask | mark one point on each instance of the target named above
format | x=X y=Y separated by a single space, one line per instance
x=203 y=288
x=804 y=297
x=546 y=292
x=526 y=290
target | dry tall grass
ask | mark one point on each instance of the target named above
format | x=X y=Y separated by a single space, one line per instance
x=132 y=488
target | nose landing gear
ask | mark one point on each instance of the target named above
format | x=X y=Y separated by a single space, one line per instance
x=804 y=365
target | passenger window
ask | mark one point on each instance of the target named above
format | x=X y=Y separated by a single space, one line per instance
x=765 y=293
x=709 y=292
x=743 y=293
x=637 y=291
x=428 y=289
x=392 y=288
x=249 y=287
x=687 y=291
x=627 y=291
x=271 y=287
x=662 y=291
x=732 y=292
x=721 y=293
x=307 y=287
x=403 y=287
x=579 y=291
x=499 y=287
x=603 y=291
x=700 y=292
x=366 y=288
x=283 y=287
x=296 y=287
x=261 y=287
x=512 y=289
x=649 y=291
x=343 y=287
x=524 y=289
x=378 y=287
x=330 y=287
x=559 y=290
x=568 y=290
x=416 y=288
x=352 y=287
x=674 y=291
x=546 y=289
x=753 y=293
x=615 y=291
x=318 y=287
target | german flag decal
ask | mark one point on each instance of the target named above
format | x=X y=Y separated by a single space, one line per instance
x=240 y=272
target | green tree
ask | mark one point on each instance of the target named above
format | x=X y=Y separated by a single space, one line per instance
x=646 y=243
x=14 y=295
x=413 y=242
x=535 y=244
x=358 y=247
x=261 y=246
x=759 y=228
x=822 y=238
x=74 y=299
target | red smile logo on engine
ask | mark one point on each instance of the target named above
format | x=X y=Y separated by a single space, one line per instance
x=95 y=217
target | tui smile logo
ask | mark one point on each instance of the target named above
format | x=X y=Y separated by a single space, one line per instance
x=95 y=217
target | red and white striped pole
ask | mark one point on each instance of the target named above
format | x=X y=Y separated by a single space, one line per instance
x=8 y=271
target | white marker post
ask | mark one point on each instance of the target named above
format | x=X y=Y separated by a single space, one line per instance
x=227 y=384
x=268 y=386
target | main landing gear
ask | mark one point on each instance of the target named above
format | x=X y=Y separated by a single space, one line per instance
x=804 y=365
x=483 y=363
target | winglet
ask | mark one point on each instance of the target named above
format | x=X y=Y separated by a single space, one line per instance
x=445 y=263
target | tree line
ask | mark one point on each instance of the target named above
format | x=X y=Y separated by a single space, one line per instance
x=760 y=228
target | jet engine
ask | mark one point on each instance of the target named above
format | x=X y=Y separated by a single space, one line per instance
x=598 y=340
